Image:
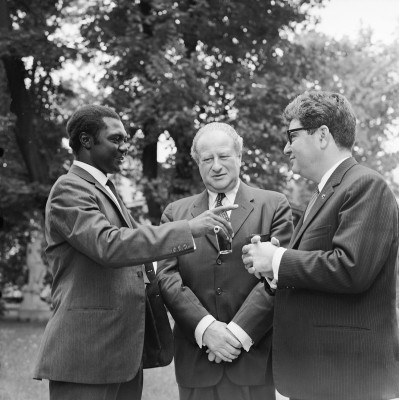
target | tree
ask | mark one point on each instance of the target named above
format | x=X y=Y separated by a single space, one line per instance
x=31 y=121
x=175 y=65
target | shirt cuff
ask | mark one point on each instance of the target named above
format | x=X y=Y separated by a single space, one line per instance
x=278 y=254
x=241 y=335
x=201 y=328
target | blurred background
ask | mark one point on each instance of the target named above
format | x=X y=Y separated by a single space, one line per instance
x=168 y=67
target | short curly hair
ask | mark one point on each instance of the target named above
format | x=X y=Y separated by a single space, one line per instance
x=88 y=119
x=316 y=108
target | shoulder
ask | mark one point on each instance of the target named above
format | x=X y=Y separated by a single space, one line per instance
x=265 y=195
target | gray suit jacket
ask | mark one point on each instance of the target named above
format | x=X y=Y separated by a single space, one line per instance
x=201 y=283
x=96 y=253
x=335 y=328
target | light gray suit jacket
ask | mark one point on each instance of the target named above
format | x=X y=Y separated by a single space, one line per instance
x=96 y=253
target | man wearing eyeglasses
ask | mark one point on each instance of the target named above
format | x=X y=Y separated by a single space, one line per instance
x=223 y=315
x=335 y=329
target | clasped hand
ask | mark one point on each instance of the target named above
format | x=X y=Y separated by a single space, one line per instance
x=222 y=344
x=257 y=257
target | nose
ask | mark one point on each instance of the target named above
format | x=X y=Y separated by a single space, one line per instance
x=124 y=147
x=287 y=148
x=216 y=164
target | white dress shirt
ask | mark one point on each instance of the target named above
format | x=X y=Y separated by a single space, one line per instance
x=99 y=176
x=236 y=330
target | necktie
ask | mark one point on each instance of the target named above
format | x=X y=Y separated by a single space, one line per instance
x=113 y=190
x=311 y=203
x=219 y=199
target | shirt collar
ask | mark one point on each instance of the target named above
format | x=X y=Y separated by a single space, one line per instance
x=231 y=196
x=93 y=171
x=328 y=174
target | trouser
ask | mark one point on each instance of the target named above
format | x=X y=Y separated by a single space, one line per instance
x=130 y=390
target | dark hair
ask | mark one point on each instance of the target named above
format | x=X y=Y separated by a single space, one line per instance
x=316 y=108
x=88 y=119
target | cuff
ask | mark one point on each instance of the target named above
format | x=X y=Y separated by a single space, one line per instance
x=278 y=254
x=201 y=328
x=241 y=335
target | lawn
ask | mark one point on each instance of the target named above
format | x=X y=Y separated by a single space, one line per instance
x=19 y=343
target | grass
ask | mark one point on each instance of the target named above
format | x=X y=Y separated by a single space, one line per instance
x=19 y=344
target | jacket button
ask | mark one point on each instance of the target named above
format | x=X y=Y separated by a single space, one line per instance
x=218 y=261
x=219 y=291
x=140 y=274
x=174 y=250
x=184 y=246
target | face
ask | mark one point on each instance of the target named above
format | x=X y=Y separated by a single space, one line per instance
x=219 y=164
x=302 y=152
x=108 y=151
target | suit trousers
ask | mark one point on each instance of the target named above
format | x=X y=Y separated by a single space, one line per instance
x=130 y=390
x=227 y=390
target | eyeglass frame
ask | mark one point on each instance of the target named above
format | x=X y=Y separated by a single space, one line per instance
x=289 y=131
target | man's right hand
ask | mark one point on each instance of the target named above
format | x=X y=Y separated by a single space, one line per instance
x=206 y=222
x=221 y=342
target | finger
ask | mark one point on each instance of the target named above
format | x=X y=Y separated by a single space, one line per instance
x=247 y=265
x=255 y=239
x=222 y=357
x=218 y=360
x=218 y=210
x=211 y=356
x=275 y=241
x=226 y=227
x=251 y=270
x=258 y=275
x=245 y=249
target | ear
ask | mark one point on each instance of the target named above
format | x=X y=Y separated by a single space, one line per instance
x=85 y=140
x=324 y=136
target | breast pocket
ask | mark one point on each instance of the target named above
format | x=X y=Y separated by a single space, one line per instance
x=319 y=238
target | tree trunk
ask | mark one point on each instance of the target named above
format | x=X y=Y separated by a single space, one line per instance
x=26 y=134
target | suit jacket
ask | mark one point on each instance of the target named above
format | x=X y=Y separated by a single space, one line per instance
x=96 y=333
x=335 y=328
x=203 y=283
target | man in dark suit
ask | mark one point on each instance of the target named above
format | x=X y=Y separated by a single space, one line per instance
x=221 y=312
x=335 y=330
x=93 y=344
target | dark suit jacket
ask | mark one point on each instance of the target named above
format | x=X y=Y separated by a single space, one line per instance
x=96 y=332
x=200 y=284
x=335 y=330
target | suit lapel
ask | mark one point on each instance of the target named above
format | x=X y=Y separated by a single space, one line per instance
x=326 y=193
x=199 y=206
x=244 y=199
x=124 y=214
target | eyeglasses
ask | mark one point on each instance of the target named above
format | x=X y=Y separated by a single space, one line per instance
x=290 y=131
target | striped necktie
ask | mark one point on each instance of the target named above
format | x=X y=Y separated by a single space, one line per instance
x=311 y=203
x=219 y=199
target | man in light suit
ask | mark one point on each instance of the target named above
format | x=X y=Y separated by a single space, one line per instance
x=335 y=330
x=223 y=315
x=93 y=344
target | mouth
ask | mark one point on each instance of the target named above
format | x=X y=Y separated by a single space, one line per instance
x=120 y=159
x=219 y=176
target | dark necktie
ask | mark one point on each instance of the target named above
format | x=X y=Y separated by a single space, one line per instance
x=219 y=199
x=113 y=190
x=311 y=203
